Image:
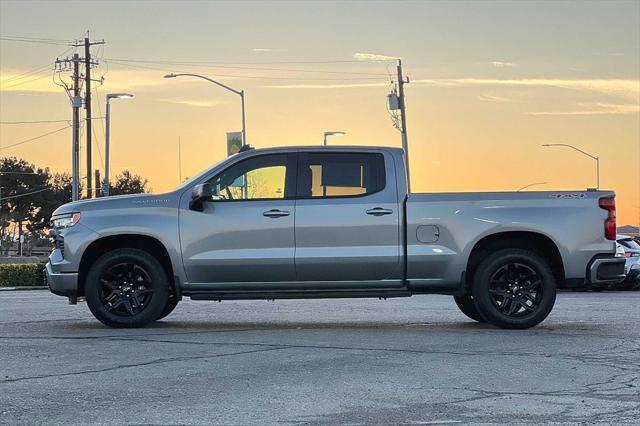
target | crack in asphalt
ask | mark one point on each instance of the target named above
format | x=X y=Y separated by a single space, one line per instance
x=588 y=358
x=115 y=336
x=141 y=364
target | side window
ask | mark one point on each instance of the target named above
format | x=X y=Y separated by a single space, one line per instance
x=324 y=175
x=257 y=178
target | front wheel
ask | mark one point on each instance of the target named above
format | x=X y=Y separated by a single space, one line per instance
x=126 y=288
x=467 y=307
x=514 y=288
x=171 y=304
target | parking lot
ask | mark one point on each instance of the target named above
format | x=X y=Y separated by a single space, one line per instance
x=408 y=361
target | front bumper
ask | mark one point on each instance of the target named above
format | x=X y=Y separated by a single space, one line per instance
x=61 y=283
x=607 y=270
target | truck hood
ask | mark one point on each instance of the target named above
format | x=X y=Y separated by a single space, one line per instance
x=115 y=202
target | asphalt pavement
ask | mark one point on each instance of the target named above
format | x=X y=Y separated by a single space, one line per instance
x=403 y=361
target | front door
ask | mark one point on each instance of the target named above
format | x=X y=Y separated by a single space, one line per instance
x=347 y=218
x=246 y=231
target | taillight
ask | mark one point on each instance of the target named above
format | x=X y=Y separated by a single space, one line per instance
x=609 y=204
x=627 y=254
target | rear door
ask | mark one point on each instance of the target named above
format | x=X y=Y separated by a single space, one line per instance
x=347 y=218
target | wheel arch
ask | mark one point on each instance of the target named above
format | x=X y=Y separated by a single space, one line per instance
x=146 y=243
x=527 y=240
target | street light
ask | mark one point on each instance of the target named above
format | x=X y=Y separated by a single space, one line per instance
x=532 y=184
x=335 y=133
x=585 y=153
x=107 y=119
x=224 y=86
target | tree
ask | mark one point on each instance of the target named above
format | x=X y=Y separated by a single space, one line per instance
x=29 y=195
x=129 y=183
x=59 y=193
x=24 y=190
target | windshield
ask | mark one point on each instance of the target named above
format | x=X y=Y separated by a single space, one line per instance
x=201 y=174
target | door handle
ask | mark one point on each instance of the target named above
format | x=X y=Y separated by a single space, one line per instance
x=275 y=213
x=379 y=211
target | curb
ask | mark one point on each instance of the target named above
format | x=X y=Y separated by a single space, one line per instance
x=23 y=288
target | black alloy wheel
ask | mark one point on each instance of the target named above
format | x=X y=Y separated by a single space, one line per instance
x=514 y=288
x=127 y=288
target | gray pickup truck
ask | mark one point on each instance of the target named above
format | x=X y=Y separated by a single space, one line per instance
x=329 y=222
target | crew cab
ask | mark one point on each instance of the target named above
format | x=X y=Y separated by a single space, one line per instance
x=330 y=222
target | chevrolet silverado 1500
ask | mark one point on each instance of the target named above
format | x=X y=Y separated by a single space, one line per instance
x=328 y=222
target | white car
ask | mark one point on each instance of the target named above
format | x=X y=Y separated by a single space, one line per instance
x=630 y=249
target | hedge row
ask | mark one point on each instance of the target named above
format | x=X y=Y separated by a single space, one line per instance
x=21 y=274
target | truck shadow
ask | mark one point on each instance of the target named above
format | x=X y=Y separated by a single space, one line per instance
x=169 y=326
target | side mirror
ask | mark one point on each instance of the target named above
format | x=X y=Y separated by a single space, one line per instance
x=199 y=194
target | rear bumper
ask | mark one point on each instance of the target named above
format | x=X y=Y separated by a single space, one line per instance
x=606 y=270
x=62 y=283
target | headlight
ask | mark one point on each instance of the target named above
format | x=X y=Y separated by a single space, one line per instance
x=66 y=220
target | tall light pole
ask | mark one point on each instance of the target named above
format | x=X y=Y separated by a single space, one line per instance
x=585 y=153
x=107 y=137
x=334 y=133
x=224 y=86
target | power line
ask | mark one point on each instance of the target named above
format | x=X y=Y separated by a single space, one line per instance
x=34 y=122
x=26 y=74
x=35 y=41
x=249 y=63
x=260 y=77
x=25 y=194
x=44 y=121
x=33 y=71
x=18 y=173
x=205 y=65
x=25 y=82
x=33 y=139
x=35 y=38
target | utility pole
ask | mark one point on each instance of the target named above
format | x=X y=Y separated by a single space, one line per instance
x=97 y=183
x=73 y=90
x=88 y=63
x=403 y=119
x=76 y=101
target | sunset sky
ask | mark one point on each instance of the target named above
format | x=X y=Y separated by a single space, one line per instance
x=490 y=83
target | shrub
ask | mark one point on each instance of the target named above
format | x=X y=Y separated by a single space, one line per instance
x=21 y=274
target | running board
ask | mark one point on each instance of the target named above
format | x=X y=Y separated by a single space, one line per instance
x=260 y=295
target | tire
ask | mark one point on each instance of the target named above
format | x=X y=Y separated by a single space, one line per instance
x=629 y=284
x=126 y=288
x=467 y=307
x=171 y=304
x=514 y=289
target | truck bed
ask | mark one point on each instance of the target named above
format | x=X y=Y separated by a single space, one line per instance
x=442 y=229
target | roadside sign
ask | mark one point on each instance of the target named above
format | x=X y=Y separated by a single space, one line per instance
x=234 y=142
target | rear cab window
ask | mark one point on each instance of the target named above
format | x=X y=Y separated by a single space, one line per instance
x=339 y=174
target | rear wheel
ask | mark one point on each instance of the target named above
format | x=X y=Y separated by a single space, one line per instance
x=466 y=305
x=514 y=288
x=126 y=288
